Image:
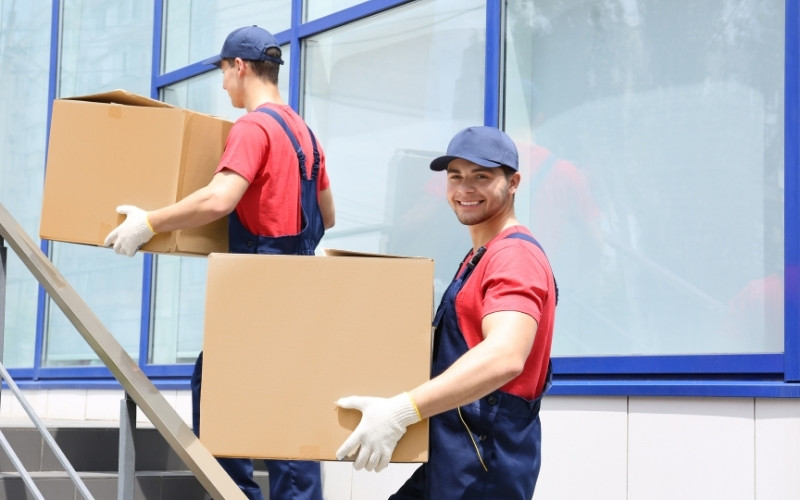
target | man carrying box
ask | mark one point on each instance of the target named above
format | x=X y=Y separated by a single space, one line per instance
x=491 y=353
x=278 y=201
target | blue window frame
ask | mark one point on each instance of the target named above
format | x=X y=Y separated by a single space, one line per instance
x=791 y=361
x=741 y=375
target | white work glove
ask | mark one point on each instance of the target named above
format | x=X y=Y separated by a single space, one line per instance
x=134 y=232
x=383 y=423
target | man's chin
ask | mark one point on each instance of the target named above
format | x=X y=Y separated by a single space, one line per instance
x=469 y=221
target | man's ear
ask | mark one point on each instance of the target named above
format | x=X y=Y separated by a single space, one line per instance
x=240 y=65
x=513 y=182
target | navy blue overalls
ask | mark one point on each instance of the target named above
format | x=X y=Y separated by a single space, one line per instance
x=488 y=449
x=288 y=479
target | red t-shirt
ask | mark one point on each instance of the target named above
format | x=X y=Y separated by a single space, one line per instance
x=259 y=150
x=513 y=275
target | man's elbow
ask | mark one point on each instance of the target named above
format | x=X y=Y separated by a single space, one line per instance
x=328 y=221
x=510 y=365
x=221 y=207
x=513 y=369
x=326 y=206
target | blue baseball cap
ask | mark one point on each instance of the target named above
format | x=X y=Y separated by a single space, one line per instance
x=249 y=43
x=485 y=146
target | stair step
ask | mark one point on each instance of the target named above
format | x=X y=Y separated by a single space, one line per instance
x=88 y=449
x=149 y=485
x=94 y=452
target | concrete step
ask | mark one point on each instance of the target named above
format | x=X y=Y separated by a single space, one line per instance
x=88 y=449
x=54 y=485
x=149 y=485
x=93 y=453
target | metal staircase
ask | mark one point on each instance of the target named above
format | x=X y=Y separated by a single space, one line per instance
x=140 y=393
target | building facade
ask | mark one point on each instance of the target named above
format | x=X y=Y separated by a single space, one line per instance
x=660 y=157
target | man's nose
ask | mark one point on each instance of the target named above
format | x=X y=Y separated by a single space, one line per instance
x=467 y=185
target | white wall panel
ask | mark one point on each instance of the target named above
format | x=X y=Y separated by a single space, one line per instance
x=691 y=448
x=104 y=405
x=69 y=404
x=337 y=480
x=777 y=471
x=584 y=448
x=369 y=485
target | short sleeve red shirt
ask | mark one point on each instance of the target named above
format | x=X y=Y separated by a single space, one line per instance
x=259 y=150
x=513 y=275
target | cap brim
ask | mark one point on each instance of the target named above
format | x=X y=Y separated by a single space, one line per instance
x=214 y=60
x=442 y=162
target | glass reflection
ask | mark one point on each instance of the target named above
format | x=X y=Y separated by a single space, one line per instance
x=106 y=46
x=654 y=140
x=24 y=52
x=386 y=95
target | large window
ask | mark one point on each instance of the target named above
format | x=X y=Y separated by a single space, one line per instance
x=652 y=140
x=24 y=53
x=387 y=94
x=105 y=46
x=195 y=29
x=319 y=8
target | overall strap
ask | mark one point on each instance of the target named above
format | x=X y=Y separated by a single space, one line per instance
x=531 y=239
x=526 y=237
x=479 y=254
x=301 y=157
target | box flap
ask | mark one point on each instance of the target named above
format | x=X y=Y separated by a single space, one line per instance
x=335 y=252
x=120 y=96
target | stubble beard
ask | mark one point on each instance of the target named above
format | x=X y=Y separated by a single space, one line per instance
x=474 y=219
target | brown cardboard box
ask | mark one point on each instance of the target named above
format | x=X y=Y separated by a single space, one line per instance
x=286 y=336
x=119 y=148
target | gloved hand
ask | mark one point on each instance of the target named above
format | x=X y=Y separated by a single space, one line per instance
x=383 y=423
x=134 y=231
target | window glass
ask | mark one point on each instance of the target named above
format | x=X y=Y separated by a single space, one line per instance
x=385 y=95
x=320 y=8
x=180 y=282
x=651 y=134
x=196 y=29
x=204 y=93
x=24 y=52
x=106 y=45
x=178 y=301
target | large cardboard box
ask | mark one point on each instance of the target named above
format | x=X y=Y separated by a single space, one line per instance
x=286 y=336
x=119 y=148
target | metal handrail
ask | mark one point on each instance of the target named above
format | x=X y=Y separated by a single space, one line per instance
x=48 y=439
x=23 y=472
x=127 y=372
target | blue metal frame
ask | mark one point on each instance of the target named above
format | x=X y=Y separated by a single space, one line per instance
x=792 y=194
x=346 y=16
x=295 y=55
x=148 y=262
x=716 y=364
x=52 y=89
x=745 y=375
x=493 y=65
x=675 y=388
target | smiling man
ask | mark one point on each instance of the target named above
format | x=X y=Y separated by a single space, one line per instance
x=491 y=354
